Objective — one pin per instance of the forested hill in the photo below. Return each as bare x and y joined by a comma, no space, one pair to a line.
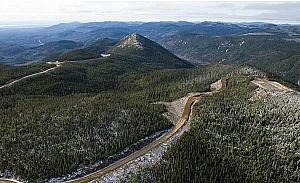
69,120
135,45
83,112
63,121
247,133
92,50
102,73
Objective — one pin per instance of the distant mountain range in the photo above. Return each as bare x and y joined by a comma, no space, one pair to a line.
264,45
16,54
267,52
89,32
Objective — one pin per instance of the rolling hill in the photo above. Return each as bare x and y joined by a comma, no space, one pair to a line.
93,50
133,54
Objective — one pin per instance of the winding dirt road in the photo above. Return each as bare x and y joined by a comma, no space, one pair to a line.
218,86
31,75
182,121
184,118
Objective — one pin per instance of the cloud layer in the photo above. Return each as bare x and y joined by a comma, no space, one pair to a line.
34,11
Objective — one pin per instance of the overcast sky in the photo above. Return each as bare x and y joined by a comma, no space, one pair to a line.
55,11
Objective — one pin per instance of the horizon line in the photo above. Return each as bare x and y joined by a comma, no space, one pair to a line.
48,24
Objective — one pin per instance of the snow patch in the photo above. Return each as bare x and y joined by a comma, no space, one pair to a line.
241,44
105,55
41,43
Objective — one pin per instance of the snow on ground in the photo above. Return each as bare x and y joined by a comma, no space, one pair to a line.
283,103
105,55
241,44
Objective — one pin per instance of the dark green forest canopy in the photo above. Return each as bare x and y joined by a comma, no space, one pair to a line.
58,122
271,53
55,123
10,73
235,138
102,74
93,50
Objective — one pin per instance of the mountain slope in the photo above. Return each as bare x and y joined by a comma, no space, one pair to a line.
244,134
147,52
102,74
93,50
271,53
10,73
86,113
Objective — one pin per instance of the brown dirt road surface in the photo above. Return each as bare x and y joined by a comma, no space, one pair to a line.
181,122
218,86
184,118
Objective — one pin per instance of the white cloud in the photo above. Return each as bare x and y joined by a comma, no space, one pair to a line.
31,11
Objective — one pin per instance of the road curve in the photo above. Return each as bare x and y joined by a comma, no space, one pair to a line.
29,76
181,122
184,118
221,84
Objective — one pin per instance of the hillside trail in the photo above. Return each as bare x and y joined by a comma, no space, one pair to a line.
57,65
